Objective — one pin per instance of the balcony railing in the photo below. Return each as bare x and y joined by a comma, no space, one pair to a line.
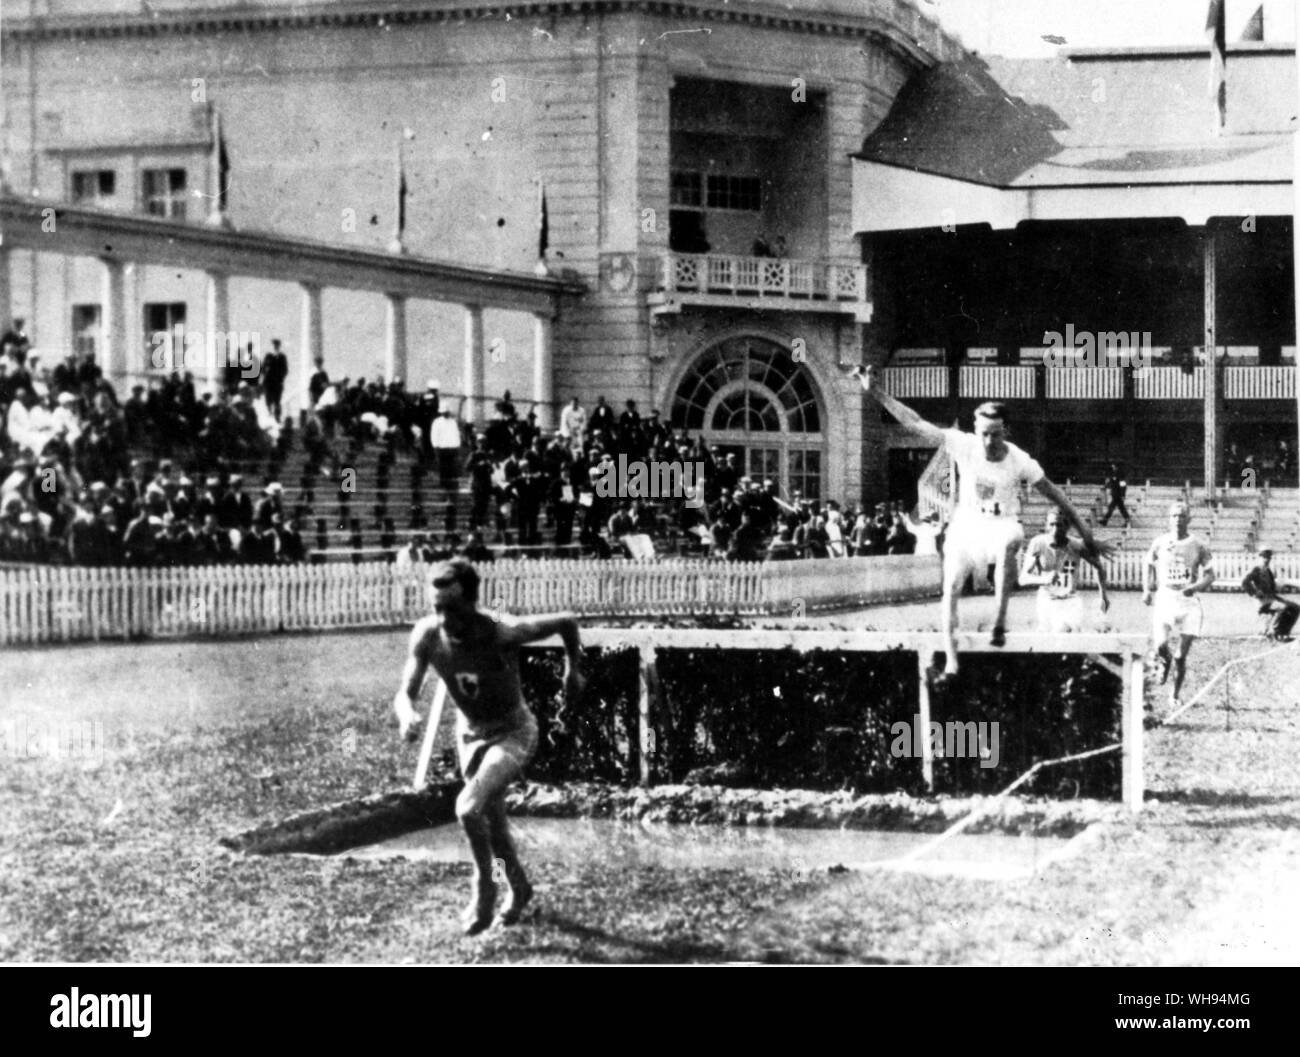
803,285
915,383
1088,383
997,383
930,381
1169,383
1259,383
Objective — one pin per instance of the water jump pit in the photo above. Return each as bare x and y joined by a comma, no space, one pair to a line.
767,704
706,827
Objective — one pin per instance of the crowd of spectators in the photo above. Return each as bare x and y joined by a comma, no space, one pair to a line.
87,479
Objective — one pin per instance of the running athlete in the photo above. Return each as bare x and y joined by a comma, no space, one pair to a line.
985,529
1181,566
1051,560
477,657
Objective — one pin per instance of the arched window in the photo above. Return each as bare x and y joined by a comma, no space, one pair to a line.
747,396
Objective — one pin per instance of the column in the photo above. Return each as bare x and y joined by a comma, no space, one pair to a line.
310,341
215,346
543,371
1211,368
473,375
112,360
6,305
395,338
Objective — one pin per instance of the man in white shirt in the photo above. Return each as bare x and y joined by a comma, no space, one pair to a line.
444,437
1052,560
573,423
985,529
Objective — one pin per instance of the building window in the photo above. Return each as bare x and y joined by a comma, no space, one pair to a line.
687,189
162,318
747,396
85,329
93,187
164,193
743,193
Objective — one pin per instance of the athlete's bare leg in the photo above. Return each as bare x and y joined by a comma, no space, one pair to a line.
503,848
1002,588
1180,664
473,808
954,575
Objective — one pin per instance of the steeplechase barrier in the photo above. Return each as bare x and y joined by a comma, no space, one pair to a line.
47,604
1123,653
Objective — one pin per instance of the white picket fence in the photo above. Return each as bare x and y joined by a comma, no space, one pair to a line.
1125,569
53,604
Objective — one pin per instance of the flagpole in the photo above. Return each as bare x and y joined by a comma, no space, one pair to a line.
543,229
398,245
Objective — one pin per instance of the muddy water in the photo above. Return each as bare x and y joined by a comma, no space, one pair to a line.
679,847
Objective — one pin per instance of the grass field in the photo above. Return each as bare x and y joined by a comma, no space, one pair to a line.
116,859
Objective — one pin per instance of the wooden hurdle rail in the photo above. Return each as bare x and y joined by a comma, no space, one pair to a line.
40,604
1129,649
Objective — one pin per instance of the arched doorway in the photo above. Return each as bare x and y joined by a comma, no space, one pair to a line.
747,395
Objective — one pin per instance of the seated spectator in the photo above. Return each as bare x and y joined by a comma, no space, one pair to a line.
476,550
782,548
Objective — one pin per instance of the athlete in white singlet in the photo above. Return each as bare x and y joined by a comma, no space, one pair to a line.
1178,569
985,529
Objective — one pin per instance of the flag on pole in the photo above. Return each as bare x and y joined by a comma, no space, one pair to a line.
220,169
398,245
401,194
1216,33
543,223
1255,27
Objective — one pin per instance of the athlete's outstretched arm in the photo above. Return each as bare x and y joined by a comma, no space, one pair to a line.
534,629
413,673
907,418
1031,571
1052,492
1102,586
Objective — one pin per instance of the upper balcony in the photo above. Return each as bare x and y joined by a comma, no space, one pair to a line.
766,283
1026,382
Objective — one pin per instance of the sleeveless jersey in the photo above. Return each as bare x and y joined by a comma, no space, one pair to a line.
482,677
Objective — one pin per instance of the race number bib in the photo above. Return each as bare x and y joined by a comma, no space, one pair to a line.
1062,585
1176,571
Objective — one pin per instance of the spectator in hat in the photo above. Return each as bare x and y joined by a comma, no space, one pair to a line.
271,503
1261,585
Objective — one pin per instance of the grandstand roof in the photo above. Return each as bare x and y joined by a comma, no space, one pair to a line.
1104,120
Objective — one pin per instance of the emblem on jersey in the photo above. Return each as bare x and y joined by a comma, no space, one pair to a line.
468,684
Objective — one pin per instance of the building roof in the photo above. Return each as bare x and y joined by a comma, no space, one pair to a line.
1095,118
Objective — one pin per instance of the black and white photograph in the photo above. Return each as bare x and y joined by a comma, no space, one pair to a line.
650,483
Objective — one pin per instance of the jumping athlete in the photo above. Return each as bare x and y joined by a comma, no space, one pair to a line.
1181,566
985,529
477,657
1051,560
